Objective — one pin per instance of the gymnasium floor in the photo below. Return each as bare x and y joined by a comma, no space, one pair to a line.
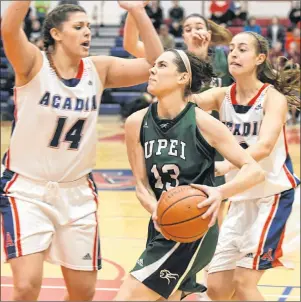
123,223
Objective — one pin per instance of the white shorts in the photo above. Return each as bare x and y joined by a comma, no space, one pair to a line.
259,234
60,218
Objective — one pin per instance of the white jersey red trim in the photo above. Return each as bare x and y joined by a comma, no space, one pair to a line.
54,131
244,122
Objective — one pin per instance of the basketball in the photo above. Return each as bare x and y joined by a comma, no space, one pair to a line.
178,215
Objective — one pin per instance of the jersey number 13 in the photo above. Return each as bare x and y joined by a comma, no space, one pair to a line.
172,170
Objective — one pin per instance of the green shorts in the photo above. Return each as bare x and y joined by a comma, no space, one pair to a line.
166,266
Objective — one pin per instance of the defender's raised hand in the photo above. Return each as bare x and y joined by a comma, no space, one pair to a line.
129,5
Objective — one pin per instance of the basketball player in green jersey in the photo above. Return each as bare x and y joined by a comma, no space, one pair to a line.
204,38
169,144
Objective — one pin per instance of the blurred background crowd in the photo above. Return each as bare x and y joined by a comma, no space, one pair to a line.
283,34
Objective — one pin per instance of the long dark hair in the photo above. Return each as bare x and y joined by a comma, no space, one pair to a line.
201,70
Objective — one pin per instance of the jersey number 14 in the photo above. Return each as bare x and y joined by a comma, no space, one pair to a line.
73,135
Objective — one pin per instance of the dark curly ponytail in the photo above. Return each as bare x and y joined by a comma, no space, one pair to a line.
202,72
55,19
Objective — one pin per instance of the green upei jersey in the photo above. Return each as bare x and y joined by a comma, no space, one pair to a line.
175,154
175,151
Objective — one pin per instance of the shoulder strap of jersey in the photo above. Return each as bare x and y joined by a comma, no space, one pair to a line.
262,96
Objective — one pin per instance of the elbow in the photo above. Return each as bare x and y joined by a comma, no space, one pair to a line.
139,193
126,46
266,149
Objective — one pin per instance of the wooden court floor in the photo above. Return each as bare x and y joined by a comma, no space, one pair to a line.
123,223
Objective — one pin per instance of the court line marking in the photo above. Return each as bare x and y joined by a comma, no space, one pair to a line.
262,285
116,289
63,287
286,292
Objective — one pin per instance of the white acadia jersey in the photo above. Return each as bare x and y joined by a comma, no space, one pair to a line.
54,132
244,122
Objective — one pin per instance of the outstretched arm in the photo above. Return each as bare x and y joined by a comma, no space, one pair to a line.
22,54
249,175
210,99
219,137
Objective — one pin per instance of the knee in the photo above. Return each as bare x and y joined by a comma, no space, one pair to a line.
217,291
27,290
242,284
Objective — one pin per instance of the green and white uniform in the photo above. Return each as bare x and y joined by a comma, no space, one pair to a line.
175,154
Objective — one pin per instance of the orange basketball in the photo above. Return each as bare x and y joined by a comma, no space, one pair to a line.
178,215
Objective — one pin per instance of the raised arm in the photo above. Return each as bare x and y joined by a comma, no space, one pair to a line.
210,99
149,36
136,158
275,108
117,72
25,58
131,41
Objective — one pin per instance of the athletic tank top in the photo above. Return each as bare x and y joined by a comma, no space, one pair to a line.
244,122
175,151
54,130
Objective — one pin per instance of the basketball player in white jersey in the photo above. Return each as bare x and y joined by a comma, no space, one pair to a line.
259,231
48,198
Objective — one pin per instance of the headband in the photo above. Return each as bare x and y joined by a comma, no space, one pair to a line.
186,62
258,42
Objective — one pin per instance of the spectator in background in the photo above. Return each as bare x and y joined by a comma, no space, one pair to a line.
36,30
176,13
252,26
140,103
176,29
167,40
238,11
276,52
155,13
295,13
276,32
123,18
176,16
293,36
220,11
75,2
42,8
293,53
39,42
